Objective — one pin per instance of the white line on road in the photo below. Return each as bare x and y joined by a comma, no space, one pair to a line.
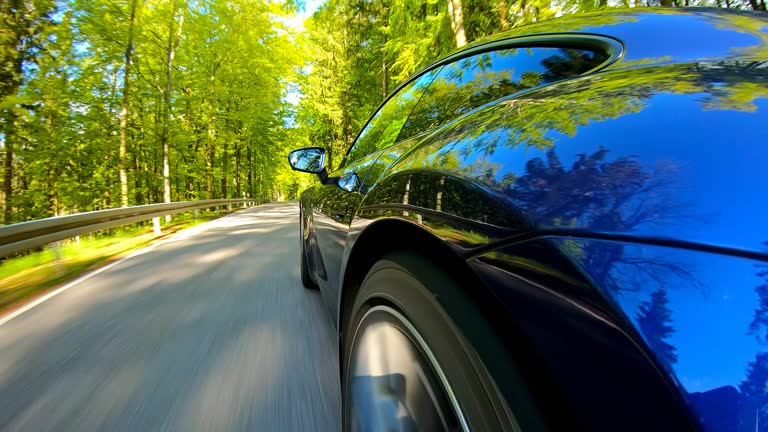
177,236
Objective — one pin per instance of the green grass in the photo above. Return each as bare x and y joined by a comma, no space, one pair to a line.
25,277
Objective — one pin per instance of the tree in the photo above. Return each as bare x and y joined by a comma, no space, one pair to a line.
324,115
126,102
654,320
174,37
23,25
124,106
759,325
754,388
45,157
456,13
754,394
109,103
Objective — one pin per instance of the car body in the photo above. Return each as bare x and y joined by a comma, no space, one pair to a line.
603,182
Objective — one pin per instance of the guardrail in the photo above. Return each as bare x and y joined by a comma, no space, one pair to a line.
27,235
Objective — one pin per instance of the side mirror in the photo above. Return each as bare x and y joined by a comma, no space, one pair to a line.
309,160
349,183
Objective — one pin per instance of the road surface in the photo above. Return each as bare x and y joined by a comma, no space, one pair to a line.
211,331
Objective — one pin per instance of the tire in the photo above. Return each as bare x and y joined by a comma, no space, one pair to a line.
306,279
396,322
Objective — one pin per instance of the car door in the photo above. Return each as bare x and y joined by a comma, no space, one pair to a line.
333,202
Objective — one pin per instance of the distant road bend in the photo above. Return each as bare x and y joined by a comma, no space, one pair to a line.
211,331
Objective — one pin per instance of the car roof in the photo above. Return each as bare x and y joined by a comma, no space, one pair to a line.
637,37
647,35
686,28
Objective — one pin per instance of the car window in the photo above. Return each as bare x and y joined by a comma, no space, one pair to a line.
382,130
474,81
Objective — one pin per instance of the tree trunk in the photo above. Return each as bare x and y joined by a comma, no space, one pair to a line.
124,107
225,169
177,185
250,172
405,195
261,181
10,135
137,158
439,205
503,9
52,175
384,86
384,71
236,175
209,161
170,52
457,22
136,177
329,154
55,202
11,87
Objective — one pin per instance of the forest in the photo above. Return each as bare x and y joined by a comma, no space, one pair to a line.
109,103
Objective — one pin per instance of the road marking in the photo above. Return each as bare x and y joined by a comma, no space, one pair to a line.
177,236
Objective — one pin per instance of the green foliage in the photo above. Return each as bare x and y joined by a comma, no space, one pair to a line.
207,78
359,50
97,97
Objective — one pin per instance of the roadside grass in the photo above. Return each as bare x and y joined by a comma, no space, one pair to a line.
25,277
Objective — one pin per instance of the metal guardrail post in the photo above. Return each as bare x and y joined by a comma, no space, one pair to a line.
56,248
156,225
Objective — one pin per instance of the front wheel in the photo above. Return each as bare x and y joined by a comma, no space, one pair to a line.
406,366
306,279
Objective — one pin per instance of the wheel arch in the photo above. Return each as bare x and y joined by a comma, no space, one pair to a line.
376,240
391,234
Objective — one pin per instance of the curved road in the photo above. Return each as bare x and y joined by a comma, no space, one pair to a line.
210,331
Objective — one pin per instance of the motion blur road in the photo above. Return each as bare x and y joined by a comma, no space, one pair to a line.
211,331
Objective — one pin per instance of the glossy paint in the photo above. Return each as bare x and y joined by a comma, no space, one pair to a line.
329,209
712,342
673,151
619,218
603,379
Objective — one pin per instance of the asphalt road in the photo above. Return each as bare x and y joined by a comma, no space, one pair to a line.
211,331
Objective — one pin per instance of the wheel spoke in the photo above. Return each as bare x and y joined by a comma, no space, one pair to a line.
394,381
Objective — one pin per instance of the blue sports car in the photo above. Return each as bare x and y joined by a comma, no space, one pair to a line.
564,227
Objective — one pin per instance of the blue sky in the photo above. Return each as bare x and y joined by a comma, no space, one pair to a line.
310,6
